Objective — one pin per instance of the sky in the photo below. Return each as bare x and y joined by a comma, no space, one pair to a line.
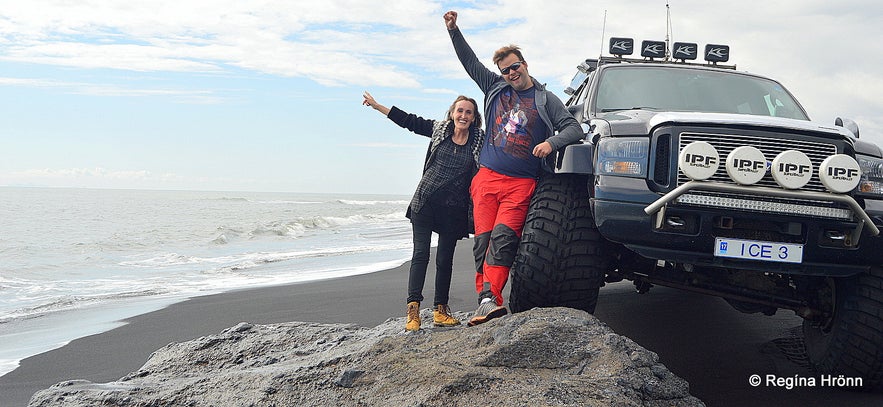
241,95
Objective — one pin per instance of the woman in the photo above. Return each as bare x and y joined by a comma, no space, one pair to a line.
441,202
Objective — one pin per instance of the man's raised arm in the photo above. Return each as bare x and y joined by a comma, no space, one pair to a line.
476,70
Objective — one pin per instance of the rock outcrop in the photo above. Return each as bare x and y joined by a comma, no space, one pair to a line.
542,357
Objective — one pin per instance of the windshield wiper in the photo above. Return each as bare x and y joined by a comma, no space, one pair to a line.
629,108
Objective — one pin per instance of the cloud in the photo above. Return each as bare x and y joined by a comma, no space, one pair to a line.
111,56
826,53
349,42
203,96
332,43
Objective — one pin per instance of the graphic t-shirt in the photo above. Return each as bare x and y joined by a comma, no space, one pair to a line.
514,130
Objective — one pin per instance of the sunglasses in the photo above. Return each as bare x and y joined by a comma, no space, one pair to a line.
514,66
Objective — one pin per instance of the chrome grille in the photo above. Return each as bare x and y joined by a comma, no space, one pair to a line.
771,147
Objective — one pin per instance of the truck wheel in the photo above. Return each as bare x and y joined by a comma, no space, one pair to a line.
850,342
561,258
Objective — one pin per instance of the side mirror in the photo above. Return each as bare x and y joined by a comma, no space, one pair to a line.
848,124
586,130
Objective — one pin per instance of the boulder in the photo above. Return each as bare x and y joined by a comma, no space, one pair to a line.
541,357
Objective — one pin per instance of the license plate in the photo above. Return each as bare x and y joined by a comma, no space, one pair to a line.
758,250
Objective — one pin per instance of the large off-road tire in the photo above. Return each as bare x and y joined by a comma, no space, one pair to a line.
850,343
561,259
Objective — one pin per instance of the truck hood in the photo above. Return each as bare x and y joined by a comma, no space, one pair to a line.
631,122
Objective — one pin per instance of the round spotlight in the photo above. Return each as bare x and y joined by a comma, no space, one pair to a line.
792,169
840,173
698,160
746,165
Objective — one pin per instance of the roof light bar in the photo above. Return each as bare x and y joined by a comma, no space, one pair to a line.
659,51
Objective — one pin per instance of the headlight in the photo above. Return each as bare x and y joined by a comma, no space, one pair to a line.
623,156
871,182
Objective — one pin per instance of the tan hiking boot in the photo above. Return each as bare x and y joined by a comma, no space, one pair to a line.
442,316
413,323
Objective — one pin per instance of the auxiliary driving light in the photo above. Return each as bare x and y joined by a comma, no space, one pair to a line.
715,53
698,160
653,49
746,165
840,173
792,169
621,46
684,50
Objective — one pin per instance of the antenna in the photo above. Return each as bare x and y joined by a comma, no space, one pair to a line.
667,32
603,29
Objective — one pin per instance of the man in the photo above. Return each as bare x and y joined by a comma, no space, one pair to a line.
522,121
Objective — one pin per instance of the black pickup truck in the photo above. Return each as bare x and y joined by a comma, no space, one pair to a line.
703,178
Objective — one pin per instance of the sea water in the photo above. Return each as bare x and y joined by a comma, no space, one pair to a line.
75,262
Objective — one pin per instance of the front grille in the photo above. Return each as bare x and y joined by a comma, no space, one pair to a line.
662,160
770,146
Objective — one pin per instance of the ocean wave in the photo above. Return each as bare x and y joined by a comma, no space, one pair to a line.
258,259
286,202
359,219
367,202
175,259
269,201
302,226
286,229
70,302
250,260
11,283
116,249
221,239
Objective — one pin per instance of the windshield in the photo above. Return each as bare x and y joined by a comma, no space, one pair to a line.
693,90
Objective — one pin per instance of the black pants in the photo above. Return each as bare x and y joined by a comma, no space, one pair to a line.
444,263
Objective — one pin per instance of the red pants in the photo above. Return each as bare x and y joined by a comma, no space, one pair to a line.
500,205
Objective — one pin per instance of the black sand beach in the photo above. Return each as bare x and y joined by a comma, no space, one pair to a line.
699,338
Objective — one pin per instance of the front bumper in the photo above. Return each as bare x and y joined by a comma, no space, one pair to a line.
832,247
